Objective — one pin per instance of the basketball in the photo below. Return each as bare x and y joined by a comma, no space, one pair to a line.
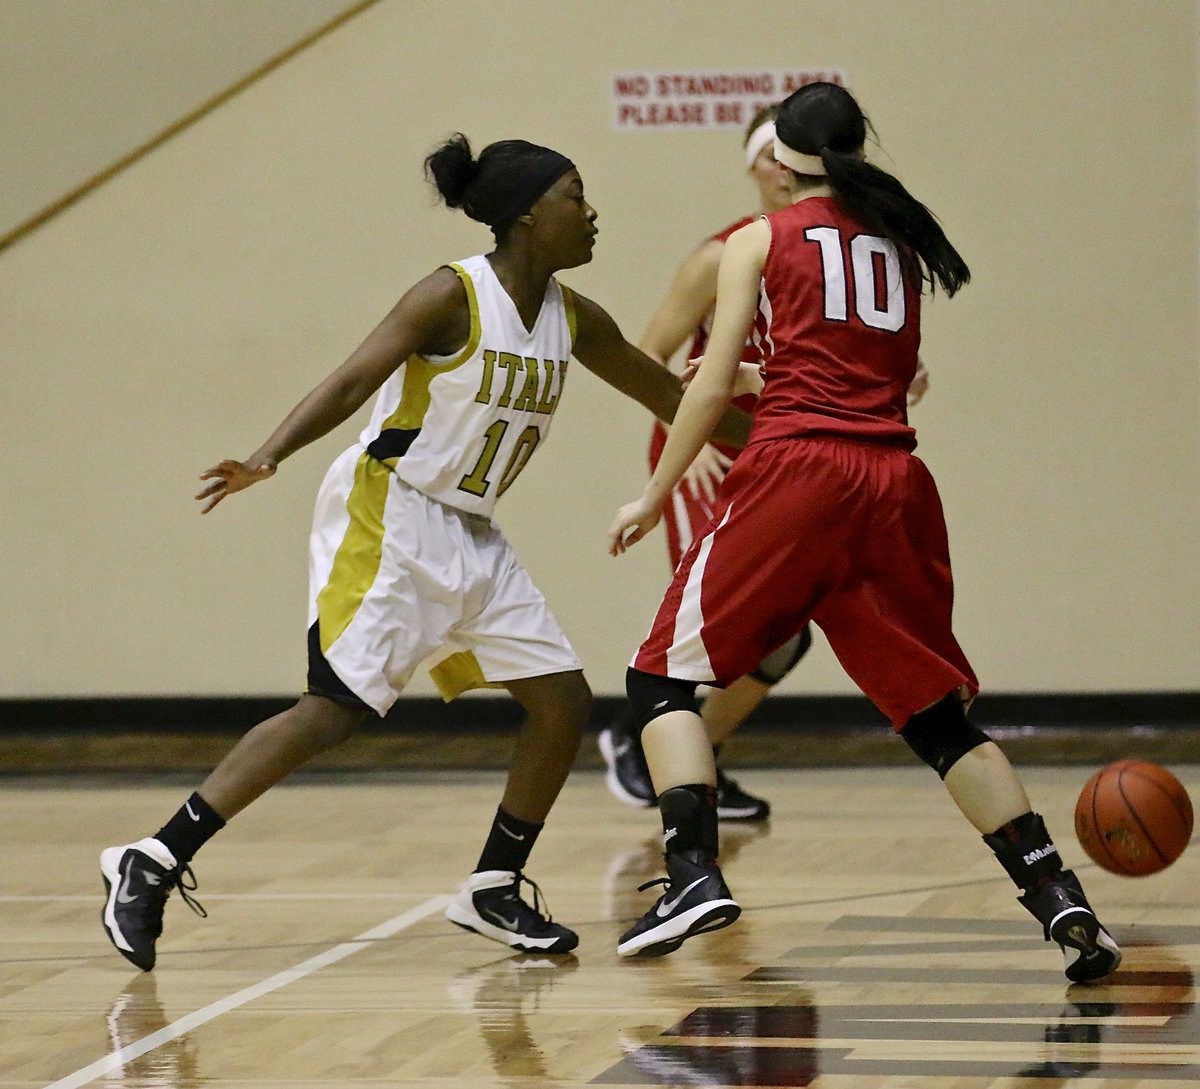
1133,818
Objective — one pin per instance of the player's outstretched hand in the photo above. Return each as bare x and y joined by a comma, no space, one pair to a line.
703,477
231,476
919,386
632,523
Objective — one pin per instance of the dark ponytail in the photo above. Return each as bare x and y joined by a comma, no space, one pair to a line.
824,119
452,168
498,187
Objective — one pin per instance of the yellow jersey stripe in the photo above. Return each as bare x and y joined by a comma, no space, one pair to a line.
419,371
476,325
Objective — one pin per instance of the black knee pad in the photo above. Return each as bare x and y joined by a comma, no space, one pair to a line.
942,735
782,660
651,695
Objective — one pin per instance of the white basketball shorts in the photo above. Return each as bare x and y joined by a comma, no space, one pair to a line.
397,579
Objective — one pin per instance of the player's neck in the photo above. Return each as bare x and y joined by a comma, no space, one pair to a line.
524,277
803,192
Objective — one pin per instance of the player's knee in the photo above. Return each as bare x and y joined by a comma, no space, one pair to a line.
576,698
651,695
942,735
782,660
328,721
561,701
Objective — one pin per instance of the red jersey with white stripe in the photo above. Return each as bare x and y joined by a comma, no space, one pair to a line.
838,330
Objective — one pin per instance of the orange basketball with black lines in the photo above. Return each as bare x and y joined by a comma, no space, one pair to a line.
1133,818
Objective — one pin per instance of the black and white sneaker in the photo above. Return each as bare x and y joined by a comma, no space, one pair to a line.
696,901
138,878
489,903
735,804
628,777
1068,919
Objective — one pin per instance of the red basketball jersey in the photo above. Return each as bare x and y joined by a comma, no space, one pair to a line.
838,330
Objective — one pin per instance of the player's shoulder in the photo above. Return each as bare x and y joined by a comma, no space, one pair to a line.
444,287
753,236
723,234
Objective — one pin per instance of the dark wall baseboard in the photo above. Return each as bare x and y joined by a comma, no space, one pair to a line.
417,714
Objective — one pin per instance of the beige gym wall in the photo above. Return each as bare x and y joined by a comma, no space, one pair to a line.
82,84
175,315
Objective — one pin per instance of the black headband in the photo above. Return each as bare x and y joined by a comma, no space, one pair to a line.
535,175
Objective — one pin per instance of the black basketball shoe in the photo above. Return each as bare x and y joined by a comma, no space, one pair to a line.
138,878
628,777
736,804
696,901
489,903
1068,919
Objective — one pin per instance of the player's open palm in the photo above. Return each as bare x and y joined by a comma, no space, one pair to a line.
229,476
632,523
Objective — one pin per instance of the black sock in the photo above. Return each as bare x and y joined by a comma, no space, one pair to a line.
190,829
1026,851
508,843
689,816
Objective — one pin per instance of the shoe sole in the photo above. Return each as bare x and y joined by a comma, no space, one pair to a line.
468,920
746,813
110,872
672,933
613,780
1098,955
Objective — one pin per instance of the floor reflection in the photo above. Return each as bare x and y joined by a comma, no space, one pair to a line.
135,1014
500,996
1142,1023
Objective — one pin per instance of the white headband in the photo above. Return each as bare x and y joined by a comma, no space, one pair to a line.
758,140
794,160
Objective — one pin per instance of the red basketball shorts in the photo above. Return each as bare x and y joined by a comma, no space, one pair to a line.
848,534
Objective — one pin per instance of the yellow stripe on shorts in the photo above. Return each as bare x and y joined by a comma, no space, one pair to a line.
459,673
357,560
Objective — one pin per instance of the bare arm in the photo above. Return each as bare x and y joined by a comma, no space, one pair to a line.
431,317
710,392
688,301
600,346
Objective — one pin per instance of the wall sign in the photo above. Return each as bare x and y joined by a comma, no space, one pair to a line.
707,99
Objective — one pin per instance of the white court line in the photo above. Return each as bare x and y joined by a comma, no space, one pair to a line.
117,1059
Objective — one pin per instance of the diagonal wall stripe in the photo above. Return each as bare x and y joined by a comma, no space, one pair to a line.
185,122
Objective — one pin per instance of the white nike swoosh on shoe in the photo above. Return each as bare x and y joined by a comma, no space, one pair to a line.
121,897
508,924
666,906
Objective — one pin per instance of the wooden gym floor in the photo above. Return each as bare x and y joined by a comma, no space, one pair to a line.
880,947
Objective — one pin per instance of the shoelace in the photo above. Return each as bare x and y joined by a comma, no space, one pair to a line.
174,880
540,908
657,881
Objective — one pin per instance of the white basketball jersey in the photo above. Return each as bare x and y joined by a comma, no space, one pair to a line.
461,428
